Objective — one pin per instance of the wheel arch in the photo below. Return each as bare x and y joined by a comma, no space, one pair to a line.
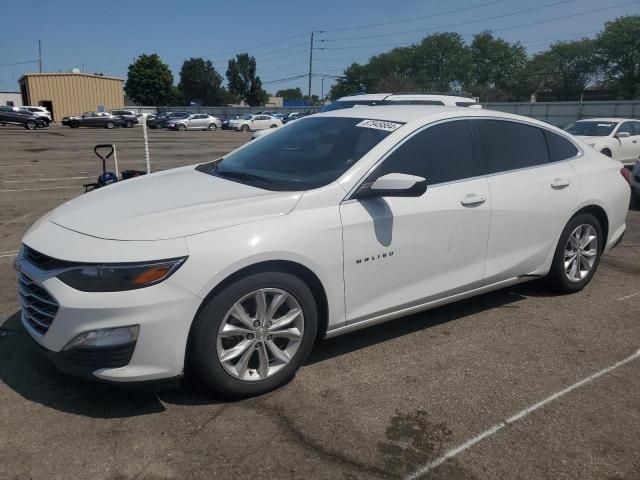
600,213
285,266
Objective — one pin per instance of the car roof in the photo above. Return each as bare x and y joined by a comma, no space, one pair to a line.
606,119
404,96
425,113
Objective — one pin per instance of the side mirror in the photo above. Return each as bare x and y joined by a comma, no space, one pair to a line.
393,185
623,134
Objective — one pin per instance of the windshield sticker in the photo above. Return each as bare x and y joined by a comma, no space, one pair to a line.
605,124
379,125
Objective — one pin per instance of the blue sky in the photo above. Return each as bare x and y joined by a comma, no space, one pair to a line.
106,36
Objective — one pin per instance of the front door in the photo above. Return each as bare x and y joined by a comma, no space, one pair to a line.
629,146
401,252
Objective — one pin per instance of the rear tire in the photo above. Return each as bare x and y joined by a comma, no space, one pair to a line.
109,125
213,127
244,128
128,124
577,257
241,375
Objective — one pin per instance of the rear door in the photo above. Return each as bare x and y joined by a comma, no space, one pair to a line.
532,193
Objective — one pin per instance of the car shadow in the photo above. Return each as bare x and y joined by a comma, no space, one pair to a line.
351,342
32,376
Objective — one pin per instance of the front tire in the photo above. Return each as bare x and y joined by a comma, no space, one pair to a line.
577,254
213,127
244,128
128,124
31,125
273,126
252,336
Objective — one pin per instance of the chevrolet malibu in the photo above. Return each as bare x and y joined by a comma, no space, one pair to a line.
330,224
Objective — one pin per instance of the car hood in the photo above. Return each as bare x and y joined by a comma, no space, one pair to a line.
169,204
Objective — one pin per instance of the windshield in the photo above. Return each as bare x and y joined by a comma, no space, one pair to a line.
591,129
307,154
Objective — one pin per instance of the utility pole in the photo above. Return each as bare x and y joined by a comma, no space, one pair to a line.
310,64
40,56
322,90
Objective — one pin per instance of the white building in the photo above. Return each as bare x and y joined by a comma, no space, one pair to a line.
10,99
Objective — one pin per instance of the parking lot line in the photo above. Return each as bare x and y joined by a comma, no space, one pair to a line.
521,414
629,296
9,255
36,189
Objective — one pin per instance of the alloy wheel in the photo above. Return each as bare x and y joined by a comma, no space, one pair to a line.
260,334
581,252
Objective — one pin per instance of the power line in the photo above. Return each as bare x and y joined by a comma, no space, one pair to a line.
18,63
440,14
496,29
457,24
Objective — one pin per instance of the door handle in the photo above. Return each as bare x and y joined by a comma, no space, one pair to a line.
473,200
560,183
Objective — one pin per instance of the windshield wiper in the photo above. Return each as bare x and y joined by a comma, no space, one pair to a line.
241,175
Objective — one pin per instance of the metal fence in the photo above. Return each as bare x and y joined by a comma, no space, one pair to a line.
563,113
226,113
556,113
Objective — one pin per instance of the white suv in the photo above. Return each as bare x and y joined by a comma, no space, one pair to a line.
401,99
39,112
339,221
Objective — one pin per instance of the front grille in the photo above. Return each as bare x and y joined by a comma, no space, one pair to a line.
42,261
39,308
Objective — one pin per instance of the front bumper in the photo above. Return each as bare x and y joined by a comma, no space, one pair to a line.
163,312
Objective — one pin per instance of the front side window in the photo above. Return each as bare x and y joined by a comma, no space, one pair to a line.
308,154
441,153
507,145
591,128
627,127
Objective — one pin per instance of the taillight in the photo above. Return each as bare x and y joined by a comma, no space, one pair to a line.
626,173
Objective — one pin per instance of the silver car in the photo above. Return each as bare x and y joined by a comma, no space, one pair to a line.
197,121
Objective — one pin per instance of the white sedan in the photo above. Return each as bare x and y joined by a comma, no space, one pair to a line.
618,138
339,221
249,123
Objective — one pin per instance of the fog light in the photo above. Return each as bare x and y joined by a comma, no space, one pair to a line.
105,337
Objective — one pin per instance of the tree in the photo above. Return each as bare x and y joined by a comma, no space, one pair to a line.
243,81
495,67
200,82
353,80
290,93
149,81
565,69
442,62
619,53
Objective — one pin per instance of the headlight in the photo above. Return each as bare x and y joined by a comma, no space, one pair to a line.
120,277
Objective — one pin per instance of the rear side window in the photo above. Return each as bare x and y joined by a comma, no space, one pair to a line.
559,147
509,145
442,153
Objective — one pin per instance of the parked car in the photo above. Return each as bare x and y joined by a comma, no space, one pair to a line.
129,117
39,112
293,116
635,183
93,119
197,121
249,123
401,99
618,138
340,221
170,117
13,116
